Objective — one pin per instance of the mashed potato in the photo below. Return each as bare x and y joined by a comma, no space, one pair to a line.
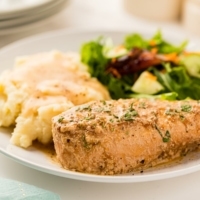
39,87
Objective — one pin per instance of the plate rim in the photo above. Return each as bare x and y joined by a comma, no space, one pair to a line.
16,11
77,175
72,30
101,178
43,13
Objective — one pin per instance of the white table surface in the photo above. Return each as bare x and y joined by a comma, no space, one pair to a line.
100,14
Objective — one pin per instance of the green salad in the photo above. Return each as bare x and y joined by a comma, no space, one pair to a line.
140,67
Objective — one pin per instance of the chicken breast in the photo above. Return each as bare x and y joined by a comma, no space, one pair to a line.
115,137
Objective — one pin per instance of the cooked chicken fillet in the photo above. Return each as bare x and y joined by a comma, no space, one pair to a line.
115,137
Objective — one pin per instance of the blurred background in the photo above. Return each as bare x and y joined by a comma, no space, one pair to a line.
22,18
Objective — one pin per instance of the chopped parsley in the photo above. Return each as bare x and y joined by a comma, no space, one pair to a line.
182,117
103,102
89,117
169,112
115,116
166,137
186,108
142,105
129,116
111,120
85,144
60,119
87,108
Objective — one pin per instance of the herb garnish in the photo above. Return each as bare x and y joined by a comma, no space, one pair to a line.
186,108
115,116
166,137
60,119
142,105
169,112
103,102
182,117
128,116
87,108
111,120
85,144
89,117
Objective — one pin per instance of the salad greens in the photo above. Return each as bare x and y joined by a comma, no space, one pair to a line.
123,68
92,55
136,40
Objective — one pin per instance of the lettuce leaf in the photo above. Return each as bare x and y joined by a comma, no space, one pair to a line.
92,55
135,40
171,96
157,41
177,80
165,47
191,62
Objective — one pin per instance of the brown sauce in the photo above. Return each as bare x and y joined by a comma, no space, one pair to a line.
50,153
48,150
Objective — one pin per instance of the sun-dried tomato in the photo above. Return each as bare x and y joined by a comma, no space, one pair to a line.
136,61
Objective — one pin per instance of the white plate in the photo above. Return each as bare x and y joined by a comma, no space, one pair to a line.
31,17
33,21
11,8
34,158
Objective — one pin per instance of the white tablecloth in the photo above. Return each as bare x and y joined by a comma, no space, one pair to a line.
100,14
